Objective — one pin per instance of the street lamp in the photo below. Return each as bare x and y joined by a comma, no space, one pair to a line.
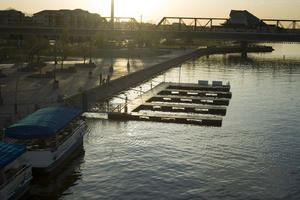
53,43
1,98
112,14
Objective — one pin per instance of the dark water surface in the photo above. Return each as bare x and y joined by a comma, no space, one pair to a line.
254,155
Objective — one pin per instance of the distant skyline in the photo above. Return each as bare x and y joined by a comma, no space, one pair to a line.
154,10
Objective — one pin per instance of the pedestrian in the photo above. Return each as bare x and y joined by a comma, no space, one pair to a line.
128,66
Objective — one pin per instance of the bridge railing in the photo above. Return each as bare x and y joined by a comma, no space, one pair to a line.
126,23
219,24
190,23
283,23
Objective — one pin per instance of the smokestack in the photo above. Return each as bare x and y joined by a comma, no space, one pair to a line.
112,14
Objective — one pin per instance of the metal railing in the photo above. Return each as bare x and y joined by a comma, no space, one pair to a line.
9,180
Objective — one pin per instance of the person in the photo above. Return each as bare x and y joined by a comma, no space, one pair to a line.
111,69
128,66
110,73
101,80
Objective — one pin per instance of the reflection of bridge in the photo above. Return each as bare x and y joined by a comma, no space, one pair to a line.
269,30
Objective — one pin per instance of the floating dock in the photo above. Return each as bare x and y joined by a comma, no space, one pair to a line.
200,104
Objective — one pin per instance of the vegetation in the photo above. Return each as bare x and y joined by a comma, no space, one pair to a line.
35,50
63,47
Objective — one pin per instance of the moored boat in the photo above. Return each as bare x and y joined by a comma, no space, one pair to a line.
50,134
15,171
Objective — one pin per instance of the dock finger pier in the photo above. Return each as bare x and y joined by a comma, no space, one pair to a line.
200,104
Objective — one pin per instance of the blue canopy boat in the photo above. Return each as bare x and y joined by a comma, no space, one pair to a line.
50,134
15,171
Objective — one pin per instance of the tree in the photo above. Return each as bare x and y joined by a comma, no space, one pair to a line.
35,46
100,38
63,48
84,51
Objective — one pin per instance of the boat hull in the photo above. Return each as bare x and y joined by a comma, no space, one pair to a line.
46,161
17,186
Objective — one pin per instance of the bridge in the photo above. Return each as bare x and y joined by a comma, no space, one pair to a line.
268,30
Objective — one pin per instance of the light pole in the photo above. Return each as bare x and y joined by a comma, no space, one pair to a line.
1,99
54,43
16,91
112,14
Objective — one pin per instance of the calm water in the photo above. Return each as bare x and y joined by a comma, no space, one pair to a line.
254,155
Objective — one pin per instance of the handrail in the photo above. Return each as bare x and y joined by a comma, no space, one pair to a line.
12,178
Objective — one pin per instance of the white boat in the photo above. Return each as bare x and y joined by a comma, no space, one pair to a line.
50,134
15,171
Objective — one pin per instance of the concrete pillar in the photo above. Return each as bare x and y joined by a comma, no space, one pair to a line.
126,106
55,84
112,14
100,79
16,108
244,46
1,98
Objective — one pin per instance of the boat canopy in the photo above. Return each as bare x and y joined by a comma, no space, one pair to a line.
10,152
42,123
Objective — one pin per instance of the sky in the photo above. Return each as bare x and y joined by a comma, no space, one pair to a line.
154,10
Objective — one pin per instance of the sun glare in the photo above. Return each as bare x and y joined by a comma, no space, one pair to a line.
134,8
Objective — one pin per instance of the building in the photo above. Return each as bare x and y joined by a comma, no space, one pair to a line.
11,17
68,18
243,19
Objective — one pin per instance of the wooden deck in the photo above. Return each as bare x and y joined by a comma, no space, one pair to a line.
181,92
185,108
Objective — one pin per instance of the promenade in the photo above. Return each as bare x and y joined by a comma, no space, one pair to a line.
33,93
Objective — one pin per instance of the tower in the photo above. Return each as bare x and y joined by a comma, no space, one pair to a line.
112,14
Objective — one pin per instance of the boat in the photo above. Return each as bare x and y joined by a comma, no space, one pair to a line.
15,171
50,134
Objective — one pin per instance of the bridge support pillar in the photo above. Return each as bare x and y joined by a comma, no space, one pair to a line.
244,46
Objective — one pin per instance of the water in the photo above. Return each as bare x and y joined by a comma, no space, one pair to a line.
254,155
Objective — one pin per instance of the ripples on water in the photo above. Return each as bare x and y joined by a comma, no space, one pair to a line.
254,155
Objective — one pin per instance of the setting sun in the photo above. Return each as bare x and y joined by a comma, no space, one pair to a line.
134,8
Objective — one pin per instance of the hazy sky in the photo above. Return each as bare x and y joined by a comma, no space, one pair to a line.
154,10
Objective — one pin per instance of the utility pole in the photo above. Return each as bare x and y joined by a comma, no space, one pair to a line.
112,15
1,99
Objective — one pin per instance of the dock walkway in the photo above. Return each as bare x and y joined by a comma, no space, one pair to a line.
176,108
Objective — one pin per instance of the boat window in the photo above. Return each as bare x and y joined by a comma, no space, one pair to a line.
9,173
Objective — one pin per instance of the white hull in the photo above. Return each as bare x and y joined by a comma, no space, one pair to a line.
46,160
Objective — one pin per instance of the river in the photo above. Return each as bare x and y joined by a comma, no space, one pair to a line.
254,155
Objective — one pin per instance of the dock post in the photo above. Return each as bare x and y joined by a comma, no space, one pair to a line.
100,77
126,104
107,105
16,108
1,99
244,46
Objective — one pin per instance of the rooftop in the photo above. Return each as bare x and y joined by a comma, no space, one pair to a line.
9,152
42,123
